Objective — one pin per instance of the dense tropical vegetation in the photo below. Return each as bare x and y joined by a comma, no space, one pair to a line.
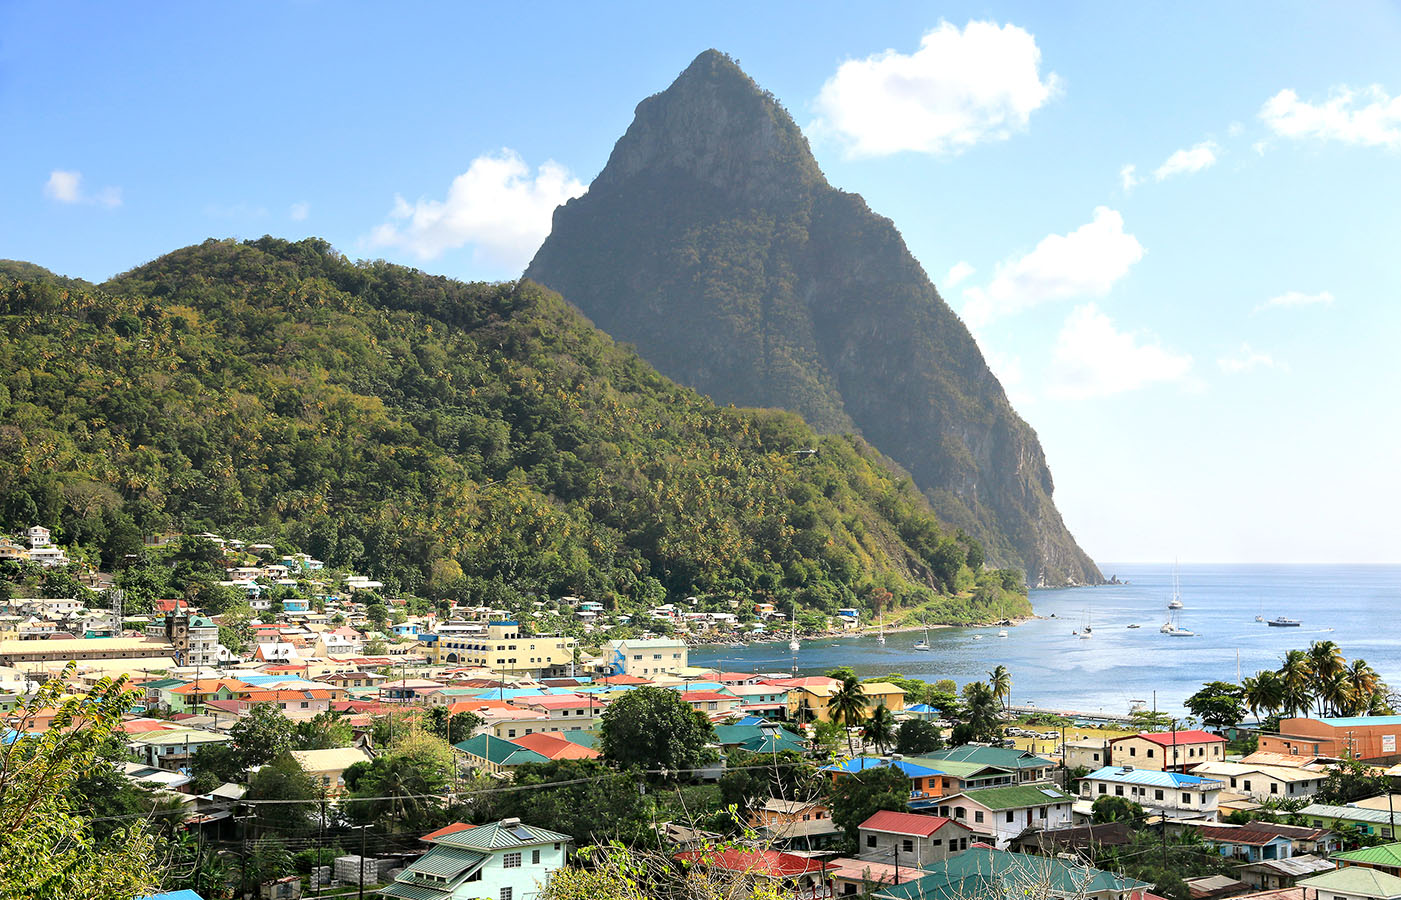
448,439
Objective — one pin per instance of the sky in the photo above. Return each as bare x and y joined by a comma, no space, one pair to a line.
1173,230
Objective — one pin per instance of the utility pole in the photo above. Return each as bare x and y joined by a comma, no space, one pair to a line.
897,860
243,852
363,830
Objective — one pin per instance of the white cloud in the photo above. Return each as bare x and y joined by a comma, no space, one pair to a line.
1128,177
1193,159
1247,359
496,206
298,212
961,86
1094,359
1235,129
1084,263
1296,298
1368,117
960,271
65,186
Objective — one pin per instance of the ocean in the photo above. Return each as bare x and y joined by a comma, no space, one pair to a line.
1051,668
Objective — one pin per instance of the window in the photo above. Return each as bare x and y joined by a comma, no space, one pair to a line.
1041,813
937,842
511,861
1096,757
907,845
505,893
870,840
1150,752
1157,795
1233,781
977,815
1133,751
1247,784
1102,789
1118,790
535,857
1186,797
1009,815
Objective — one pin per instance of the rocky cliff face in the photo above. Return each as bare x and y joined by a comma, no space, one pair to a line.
713,243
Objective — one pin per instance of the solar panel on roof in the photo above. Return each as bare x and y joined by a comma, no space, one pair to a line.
522,833
1050,793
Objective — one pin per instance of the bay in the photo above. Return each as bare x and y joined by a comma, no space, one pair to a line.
1355,606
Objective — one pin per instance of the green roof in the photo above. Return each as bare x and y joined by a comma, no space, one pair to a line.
582,738
728,735
979,872
414,892
1380,855
499,752
1362,880
964,770
1017,796
446,862
499,836
163,684
772,744
1002,757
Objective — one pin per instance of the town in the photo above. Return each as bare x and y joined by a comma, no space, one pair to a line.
311,737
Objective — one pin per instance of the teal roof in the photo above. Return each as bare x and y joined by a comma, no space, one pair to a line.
405,891
582,738
772,743
445,862
202,622
727,735
163,684
1359,721
498,836
1002,757
498,751
992,873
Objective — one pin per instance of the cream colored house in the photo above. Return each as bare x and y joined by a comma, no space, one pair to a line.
1167,751
646,658
327,767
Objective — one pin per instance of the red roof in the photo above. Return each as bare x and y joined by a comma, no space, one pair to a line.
1166,738
623,679
904,823
726,677
694,696
275,696
141,726
445,831
769,863
555,747
557,701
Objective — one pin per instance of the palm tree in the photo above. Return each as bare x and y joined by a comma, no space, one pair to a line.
1363,682
880,728
1000,681
1296,674
1264,691
847,705
982,710
1326,661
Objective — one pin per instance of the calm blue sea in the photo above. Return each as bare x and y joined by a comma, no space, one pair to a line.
1356,606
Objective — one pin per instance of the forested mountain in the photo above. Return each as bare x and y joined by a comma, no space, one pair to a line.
712,242
473,440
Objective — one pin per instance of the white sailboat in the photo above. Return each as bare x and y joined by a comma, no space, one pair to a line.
1002,633
880,638
1088,631
793,644
1176,601
923,644
1172,629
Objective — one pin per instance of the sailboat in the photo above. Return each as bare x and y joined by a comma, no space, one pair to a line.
1172,629
793,632
880,638
1176,601
923,644
1002,633
1088,631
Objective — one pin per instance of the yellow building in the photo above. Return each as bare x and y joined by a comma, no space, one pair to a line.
505,649
810,698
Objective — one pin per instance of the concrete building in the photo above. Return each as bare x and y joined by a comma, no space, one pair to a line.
26,654
1352,883
1261,783
1364,737
1167,751
195,639
505,860
645,658
1087,753
1000,814
1168,794
910,839
505,649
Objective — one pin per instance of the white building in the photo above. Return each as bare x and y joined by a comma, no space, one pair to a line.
1167,794
1264,782
38,537
646,657
1002,813
505,860
48,556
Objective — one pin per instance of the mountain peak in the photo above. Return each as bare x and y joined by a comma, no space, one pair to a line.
717,125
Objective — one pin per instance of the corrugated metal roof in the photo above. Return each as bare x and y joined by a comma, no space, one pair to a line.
497,837
1153,778
446,862
413,892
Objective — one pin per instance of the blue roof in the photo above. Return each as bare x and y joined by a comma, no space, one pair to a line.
1151,778
751,720
862,763
174,895
920,708
1356,721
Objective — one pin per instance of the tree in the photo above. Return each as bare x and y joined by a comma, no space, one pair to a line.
916,737
1115,809
1000,683
592,803
1218,704
879,728
1350,780
1328,668
396,790
1296,677
1363,686
47,846
860,795
451,727
983,713
654,729
1263,692
262,735
847,705
283,779
323,731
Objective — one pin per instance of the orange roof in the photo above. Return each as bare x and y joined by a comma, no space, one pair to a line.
445,831
768,863
274,696
622,679
209,686
555,747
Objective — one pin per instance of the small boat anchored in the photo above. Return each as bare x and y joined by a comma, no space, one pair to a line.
923,644
1282,622
1002,633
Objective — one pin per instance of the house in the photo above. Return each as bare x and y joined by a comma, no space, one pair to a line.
1363,737
171,749
48,557
1002,813
1278,874
1377,823
1384,857
766,700
1214,887
12,552
1318,841
809,698
353,679
1175,751
984,872
852,877
1246,843
1077,839
1027,766
327,767
38,537
712,703
552,746
1168,794
765,737
504,860
1087,753
504,648
911,839
1263,782
1352,883
569,709
644,657
926,783
789,876
496,755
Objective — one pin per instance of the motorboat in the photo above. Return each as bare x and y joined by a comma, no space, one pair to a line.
1134,625
1282,622
1002,633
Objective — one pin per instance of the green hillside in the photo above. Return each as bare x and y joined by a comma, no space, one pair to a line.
469,440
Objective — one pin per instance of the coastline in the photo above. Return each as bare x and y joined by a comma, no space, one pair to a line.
857,632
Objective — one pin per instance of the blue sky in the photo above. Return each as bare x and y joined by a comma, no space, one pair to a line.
1206,347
